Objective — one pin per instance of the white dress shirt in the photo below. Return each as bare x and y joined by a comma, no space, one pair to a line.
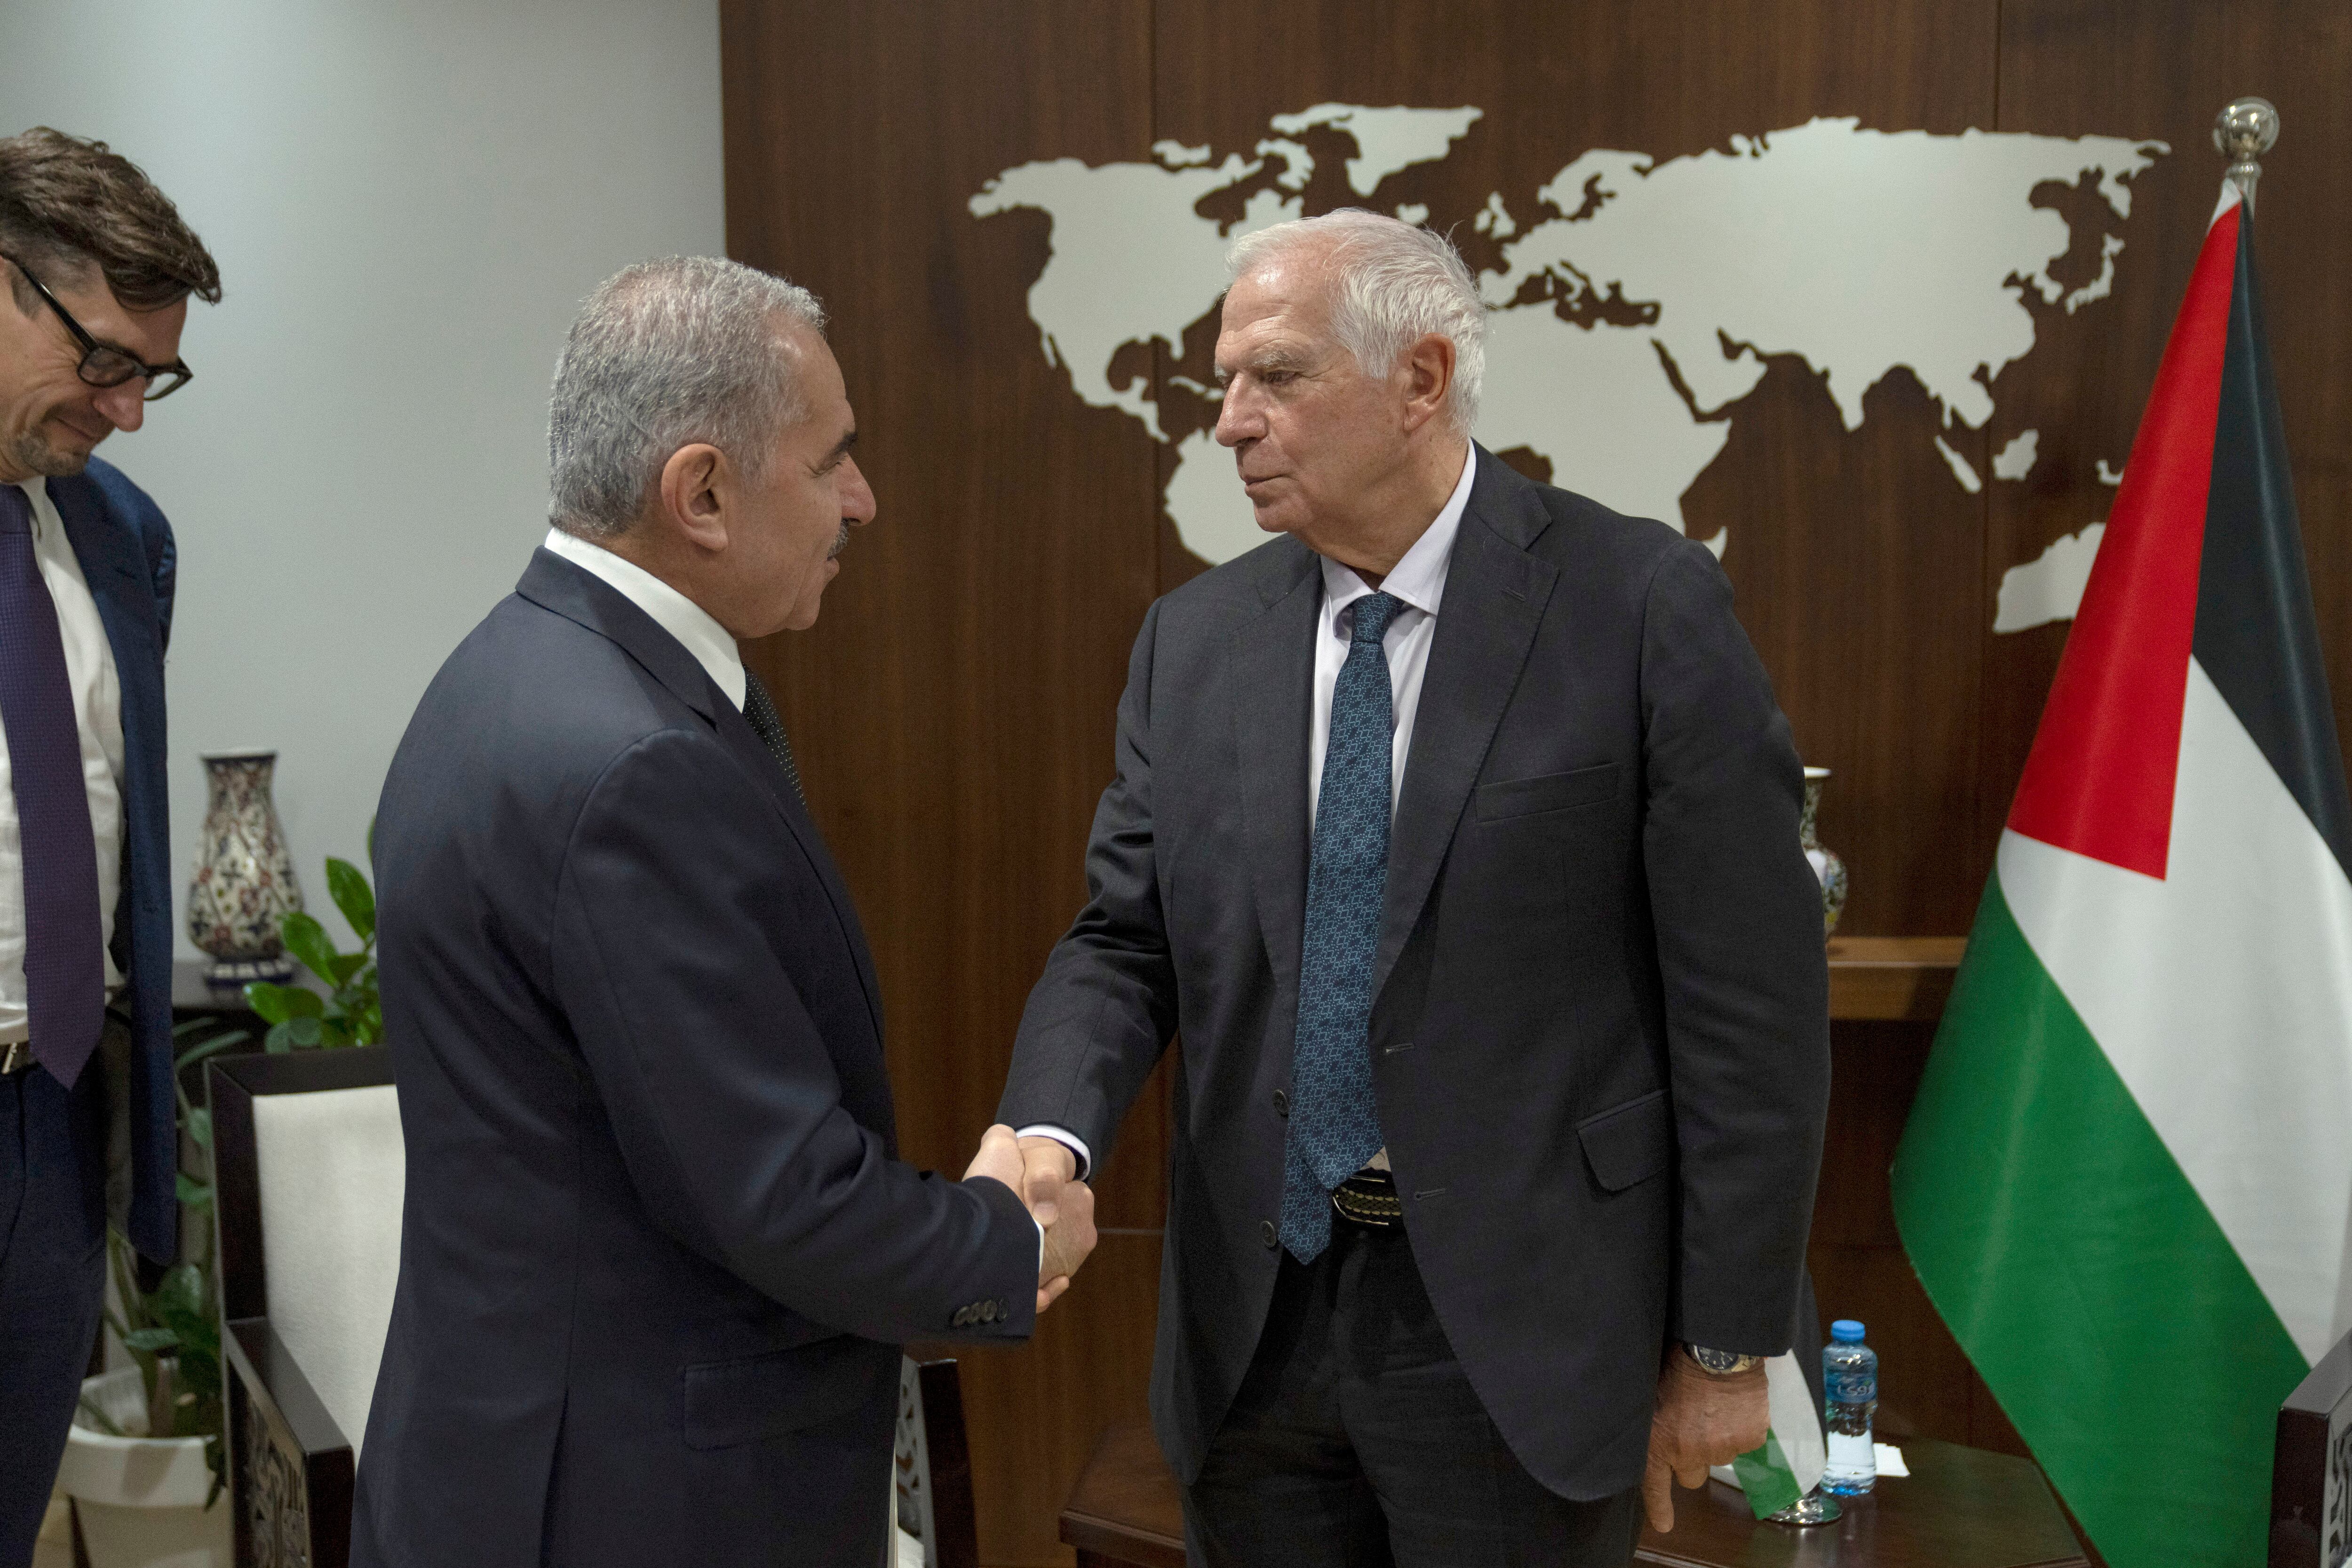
1419,580
695,627
713,646
98,715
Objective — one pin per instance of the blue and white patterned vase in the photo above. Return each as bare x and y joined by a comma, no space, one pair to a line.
1825,863
245,879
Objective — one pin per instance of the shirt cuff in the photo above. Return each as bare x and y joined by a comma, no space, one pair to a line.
1064,1137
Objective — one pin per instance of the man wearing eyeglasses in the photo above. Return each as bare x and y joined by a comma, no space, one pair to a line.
98,268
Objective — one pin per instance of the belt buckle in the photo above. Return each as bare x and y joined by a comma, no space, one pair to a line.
1369,1198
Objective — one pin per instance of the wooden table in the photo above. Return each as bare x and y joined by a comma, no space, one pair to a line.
194,997
1959,1507
1893,977
1125,1508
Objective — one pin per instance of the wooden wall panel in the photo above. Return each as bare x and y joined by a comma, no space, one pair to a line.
1926,1385
953,709
1857,564
2162,72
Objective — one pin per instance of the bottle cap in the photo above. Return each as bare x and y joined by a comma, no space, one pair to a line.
1847,1332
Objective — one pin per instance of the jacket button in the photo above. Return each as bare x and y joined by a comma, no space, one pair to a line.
1267,1233
1282,1103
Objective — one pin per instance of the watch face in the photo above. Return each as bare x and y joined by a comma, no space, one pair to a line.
1721,1361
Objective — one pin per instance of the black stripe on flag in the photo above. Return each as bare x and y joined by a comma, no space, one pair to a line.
2257,636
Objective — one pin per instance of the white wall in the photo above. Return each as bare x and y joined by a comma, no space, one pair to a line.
407,198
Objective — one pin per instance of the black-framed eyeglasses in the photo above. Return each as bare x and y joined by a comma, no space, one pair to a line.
103,365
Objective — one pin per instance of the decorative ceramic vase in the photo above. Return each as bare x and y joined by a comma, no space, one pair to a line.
1826,865
245,879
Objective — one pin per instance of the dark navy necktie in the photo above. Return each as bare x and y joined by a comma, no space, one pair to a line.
65,968
1334,1124
760,709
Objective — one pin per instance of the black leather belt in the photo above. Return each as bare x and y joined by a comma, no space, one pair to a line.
15,1058
1369,1198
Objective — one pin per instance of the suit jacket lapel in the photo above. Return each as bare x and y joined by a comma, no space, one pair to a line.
1495,598
736,733
1273,675
554,584
115,570
126,599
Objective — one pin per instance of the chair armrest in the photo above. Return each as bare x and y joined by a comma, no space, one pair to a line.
290,1466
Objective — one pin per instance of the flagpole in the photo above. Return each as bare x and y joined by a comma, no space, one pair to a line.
2243,133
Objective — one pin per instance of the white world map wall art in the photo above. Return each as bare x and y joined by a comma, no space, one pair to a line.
1858,250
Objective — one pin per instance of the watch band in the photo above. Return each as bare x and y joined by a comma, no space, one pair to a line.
1720,1363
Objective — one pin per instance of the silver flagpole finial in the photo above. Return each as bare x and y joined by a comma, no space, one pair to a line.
2243,133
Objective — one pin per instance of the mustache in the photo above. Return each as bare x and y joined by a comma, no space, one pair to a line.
840,540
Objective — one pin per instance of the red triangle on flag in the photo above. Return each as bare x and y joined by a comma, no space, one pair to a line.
2099,781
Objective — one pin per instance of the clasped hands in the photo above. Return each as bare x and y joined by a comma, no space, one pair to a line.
1044,1172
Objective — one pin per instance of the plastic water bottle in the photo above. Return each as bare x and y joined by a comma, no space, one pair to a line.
1850,1369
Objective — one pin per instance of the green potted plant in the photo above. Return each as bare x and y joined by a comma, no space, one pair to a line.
351,1012
145,1463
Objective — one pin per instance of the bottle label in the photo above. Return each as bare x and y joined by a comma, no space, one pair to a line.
1850,1454
1850,1387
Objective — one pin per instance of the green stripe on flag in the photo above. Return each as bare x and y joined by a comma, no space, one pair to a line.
1765,1476
2083,1274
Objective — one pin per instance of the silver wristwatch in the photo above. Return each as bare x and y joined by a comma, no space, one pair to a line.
1720,1363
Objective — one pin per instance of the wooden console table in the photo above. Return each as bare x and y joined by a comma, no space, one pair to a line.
1959,1507
1893,977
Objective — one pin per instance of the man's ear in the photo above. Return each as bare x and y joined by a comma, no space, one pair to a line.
694,492
1428,372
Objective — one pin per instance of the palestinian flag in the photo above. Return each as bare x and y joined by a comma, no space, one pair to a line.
2128,1178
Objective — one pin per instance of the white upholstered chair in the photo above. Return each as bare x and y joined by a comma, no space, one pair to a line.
310,1171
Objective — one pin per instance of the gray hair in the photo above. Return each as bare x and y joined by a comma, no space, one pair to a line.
664,354
1393,284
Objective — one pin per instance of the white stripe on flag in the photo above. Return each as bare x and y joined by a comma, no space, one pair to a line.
1795,1422
2223,995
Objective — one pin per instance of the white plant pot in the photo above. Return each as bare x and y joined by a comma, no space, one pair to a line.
141,1499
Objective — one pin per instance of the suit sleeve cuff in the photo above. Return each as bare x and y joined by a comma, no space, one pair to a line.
1064,1137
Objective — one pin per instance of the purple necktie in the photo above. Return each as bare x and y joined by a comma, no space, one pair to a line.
65,969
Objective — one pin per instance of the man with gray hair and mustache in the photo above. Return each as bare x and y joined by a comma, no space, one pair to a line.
1455,832
657,1253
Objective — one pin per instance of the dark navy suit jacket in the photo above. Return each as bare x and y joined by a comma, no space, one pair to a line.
657,1254
126,554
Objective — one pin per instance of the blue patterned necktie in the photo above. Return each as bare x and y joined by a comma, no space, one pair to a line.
1334,1124
65,968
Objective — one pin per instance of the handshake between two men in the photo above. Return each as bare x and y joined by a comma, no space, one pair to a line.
1043,1173
1455,830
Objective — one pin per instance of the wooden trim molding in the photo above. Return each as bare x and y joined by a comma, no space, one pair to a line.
1893,977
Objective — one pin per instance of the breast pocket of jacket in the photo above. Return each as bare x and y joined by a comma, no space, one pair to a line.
1508,800
729,1403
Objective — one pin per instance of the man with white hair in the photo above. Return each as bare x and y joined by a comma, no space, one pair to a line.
657,1253
1454,831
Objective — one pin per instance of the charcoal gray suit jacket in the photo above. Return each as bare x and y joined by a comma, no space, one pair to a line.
657,1253
1599,1032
